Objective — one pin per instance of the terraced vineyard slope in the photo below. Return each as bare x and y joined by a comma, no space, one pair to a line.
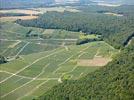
31,75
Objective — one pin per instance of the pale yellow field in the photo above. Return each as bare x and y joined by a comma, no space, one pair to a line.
109,5
113,14
58,9
97,61
20,11
34,11
48,31
20,17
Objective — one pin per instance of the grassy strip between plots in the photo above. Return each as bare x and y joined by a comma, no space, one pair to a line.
31,75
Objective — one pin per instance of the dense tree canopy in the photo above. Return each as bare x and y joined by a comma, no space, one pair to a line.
2,59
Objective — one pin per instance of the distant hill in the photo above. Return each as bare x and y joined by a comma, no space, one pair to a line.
129,2
5,4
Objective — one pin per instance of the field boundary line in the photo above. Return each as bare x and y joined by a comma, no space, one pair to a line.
28,77
34,89
25,83
4,50
81,75
18,80
62,64
30,65
57,70
70,58
15,75
81,53
22,49
97,53
13,44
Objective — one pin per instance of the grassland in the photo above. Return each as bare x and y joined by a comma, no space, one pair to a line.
31,75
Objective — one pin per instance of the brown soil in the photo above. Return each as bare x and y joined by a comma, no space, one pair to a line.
97,61
20,17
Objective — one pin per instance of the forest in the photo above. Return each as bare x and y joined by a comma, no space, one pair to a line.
114,29
13,14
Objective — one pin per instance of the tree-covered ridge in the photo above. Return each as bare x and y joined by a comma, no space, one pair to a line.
114,29
112,82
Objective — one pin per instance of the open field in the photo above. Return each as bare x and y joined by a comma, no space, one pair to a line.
34,12
108,4
14,39
31,75
11,30
20,11
58,9
113,14
96,61
42,58
19,17
39,39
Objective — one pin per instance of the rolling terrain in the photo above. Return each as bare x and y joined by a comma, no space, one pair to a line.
39,59
67,52
32,73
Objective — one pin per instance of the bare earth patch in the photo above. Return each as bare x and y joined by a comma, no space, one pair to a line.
20,11
96,61
19,17
113,14
48,31
109,5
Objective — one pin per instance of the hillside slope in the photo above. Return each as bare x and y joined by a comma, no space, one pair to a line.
7,4
112,82
114,29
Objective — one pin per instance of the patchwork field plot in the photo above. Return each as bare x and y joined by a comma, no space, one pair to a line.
18,40
33,13
30,75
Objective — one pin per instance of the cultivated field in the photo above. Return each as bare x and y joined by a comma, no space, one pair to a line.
113,14
34,12
108,4
31,75
40,58
14,40
58,9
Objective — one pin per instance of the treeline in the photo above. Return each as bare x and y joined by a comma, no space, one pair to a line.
129,39
13,14
113,29
87,39
3,59
112,82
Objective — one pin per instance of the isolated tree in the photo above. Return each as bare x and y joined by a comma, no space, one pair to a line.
2,59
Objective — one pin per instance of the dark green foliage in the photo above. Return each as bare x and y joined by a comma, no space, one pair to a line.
2,59
86,40
128,39
28,33
115,30
112,82
83,41
13,14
